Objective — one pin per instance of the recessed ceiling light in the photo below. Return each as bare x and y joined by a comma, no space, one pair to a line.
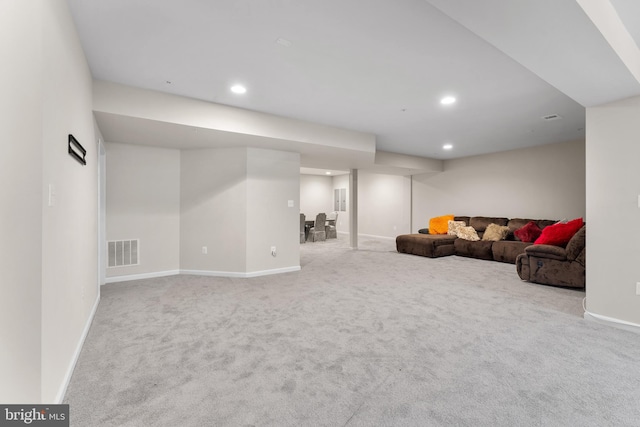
447,100
447,147
238,89
328,173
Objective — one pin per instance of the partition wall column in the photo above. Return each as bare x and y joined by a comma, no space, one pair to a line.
353,208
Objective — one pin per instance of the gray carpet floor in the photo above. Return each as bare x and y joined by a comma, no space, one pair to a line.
356,338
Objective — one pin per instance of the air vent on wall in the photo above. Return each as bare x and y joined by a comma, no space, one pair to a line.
552,117
123,252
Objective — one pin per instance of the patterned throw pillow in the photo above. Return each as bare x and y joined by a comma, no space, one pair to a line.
440,224
454,226
495,232
468,233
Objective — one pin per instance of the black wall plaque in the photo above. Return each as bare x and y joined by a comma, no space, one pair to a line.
76,150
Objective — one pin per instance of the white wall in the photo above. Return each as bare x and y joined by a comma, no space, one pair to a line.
21,85
143,202
70,229
49,253
316,195
234,201
213,212
613,192
546,182
384,204
272,181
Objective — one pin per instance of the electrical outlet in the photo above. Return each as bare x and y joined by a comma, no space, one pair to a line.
637,288
273,251
204,250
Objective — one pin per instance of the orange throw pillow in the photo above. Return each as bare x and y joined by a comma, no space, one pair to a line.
440,224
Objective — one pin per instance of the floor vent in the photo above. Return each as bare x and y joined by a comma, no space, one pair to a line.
123,252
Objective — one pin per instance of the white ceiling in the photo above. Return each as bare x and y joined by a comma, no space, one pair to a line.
375,66
629,13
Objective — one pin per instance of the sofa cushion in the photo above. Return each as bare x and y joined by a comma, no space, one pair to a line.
468,233
480,249
515,224
439,224
428,245
542,223
529,233
480,223
495,232
454,226
559,234
462,218
508,250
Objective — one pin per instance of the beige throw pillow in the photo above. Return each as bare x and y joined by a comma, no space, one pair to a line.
495,232
454,226
468,233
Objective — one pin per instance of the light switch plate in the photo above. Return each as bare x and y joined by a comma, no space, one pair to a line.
637,288
290,202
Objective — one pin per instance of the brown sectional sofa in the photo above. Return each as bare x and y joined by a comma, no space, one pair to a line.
428,245
551,265
438,245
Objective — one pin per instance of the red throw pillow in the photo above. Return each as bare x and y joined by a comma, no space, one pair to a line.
559,234
529,233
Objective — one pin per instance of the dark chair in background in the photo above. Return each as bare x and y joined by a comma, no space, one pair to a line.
330,226
302,231
318,232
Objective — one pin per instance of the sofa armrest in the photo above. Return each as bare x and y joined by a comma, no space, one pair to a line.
547,251
581,258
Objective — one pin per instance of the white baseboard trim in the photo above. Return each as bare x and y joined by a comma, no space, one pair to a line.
128,277
369,235
241,274
611,321
76,355
376,237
